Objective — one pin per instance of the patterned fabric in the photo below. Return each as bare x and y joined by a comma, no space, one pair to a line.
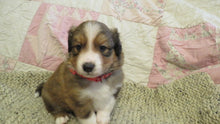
162,40
46,41
179,52
149,12
7,64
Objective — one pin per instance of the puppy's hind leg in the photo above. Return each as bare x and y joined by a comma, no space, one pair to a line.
61,116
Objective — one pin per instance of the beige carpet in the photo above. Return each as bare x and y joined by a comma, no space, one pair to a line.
193,99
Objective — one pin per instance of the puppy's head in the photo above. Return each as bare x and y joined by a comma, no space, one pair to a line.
94,49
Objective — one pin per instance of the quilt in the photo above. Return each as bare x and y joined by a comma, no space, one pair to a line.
163,40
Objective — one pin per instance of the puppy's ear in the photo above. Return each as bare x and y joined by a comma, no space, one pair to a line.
117,42
70,38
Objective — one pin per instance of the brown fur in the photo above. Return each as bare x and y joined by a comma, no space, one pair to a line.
61,93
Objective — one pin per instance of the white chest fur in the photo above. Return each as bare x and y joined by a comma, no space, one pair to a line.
100,93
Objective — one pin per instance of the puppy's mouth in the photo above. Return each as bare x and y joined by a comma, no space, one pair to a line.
90,75
84,74
92,78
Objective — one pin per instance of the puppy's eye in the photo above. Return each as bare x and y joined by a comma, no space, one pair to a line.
105,51
103,48
78,47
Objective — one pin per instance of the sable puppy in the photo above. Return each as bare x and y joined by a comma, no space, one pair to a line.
87,83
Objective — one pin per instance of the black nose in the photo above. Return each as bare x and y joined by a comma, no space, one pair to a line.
88,67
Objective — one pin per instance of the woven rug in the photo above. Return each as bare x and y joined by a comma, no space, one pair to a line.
193,99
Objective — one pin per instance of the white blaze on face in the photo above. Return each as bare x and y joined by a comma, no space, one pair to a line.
89,55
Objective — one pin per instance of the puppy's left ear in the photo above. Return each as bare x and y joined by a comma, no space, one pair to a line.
116,39
70,38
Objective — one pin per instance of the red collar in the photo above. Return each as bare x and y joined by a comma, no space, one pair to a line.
96,79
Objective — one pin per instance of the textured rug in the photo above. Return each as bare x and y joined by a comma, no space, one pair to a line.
193,99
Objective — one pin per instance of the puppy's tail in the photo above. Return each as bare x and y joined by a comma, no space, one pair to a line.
38,90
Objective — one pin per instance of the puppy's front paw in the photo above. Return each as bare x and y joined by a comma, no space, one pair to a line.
62,120
102,118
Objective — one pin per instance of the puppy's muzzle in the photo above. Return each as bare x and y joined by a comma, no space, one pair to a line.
88,67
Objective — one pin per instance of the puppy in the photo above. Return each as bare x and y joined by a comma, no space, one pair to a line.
87,83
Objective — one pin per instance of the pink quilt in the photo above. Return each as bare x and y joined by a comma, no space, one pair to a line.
46,40
179,52
159,44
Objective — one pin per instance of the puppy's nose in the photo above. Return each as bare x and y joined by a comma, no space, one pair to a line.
88,67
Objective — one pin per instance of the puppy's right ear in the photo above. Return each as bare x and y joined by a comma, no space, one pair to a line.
70,38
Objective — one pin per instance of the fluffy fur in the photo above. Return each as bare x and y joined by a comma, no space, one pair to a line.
94,50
